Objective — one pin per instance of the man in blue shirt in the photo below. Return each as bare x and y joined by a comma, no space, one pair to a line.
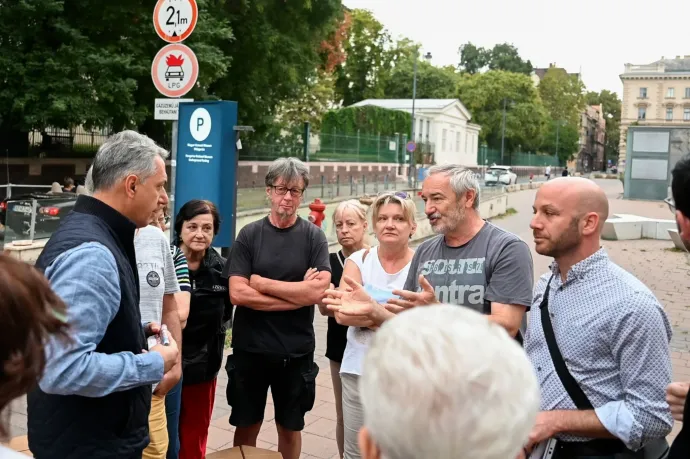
94,398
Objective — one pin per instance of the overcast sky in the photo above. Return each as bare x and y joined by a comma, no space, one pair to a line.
597,36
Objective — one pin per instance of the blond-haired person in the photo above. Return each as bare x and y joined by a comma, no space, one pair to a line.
380,270
350,223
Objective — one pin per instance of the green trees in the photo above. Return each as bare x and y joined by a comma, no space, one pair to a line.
66,63
526,119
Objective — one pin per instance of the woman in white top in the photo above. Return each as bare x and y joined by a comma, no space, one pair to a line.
379,271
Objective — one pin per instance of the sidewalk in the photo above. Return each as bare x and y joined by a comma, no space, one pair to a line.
662,269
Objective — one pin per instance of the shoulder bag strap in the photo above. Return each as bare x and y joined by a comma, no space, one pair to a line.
571,386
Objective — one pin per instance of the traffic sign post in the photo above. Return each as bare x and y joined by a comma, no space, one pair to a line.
174,20
175,68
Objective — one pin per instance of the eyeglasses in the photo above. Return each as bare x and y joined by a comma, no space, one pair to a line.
397,194
671,205
282,190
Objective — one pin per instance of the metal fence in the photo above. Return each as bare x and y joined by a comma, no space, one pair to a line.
335,147
74,142
487,156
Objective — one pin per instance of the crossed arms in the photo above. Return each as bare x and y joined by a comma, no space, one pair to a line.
263,294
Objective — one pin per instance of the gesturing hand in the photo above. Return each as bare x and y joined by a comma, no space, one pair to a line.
412,299
354,303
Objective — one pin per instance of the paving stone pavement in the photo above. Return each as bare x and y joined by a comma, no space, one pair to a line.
664,270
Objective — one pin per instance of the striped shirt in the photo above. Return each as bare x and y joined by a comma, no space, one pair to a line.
181,269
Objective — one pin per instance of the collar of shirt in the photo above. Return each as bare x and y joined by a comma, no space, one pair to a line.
580,270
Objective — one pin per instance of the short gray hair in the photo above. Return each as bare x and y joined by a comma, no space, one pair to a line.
122,154
289,169
443,382
462,180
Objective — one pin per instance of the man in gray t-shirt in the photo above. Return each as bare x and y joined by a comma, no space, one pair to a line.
471,263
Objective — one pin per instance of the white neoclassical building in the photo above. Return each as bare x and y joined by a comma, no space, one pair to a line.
443,122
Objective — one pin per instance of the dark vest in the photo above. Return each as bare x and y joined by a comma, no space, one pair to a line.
114,426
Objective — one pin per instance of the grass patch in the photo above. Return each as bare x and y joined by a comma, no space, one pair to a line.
674,249
228,338
509,211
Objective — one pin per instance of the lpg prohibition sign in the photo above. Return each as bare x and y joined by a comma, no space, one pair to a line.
174,70
174,20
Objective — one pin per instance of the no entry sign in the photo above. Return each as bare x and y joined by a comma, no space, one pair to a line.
175,20
175,70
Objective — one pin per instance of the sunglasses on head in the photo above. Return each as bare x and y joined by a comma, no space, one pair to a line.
397,194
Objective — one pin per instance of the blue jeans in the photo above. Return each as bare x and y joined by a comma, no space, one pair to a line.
173,401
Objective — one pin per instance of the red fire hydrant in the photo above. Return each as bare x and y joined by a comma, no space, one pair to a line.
316,215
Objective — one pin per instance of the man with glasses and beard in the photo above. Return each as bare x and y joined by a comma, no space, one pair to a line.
677,392
278,270
471,263
609,400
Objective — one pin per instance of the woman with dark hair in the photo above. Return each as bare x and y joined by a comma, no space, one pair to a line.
203,337
30,312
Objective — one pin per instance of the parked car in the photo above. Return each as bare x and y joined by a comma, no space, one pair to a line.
15,212
500,175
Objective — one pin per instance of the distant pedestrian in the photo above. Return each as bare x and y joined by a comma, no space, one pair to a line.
547,172
95,396
30,312
278,270
565,172
597,338
69,185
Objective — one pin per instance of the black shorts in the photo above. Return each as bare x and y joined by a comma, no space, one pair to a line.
292,382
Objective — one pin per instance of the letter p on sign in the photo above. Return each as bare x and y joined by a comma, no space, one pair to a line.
200,124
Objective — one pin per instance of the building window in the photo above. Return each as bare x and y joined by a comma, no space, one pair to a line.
687,93
642,113
670,92
457,142
443,139
643,93
686,114
428,129
669,114
421,128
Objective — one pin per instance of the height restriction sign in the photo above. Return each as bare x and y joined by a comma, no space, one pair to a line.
174,70
175,20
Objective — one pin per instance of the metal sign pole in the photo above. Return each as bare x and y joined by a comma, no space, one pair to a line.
173,167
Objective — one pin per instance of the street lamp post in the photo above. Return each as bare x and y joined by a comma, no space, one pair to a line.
503,130
558,130
427,56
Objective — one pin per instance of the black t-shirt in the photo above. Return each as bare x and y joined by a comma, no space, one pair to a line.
283,254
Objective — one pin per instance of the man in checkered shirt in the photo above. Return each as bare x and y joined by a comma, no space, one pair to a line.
611,330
